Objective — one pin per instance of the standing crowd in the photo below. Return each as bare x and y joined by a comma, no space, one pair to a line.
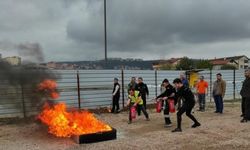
179,96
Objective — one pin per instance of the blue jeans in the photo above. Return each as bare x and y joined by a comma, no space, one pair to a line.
218,103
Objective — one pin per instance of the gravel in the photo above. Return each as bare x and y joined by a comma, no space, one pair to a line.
217,131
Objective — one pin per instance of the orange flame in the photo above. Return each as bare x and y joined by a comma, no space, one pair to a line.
49,87
64,124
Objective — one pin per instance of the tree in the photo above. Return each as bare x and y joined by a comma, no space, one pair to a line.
228,67
203,64
185,64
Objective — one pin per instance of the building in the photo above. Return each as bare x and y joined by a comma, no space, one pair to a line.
158,65
240,62
13,60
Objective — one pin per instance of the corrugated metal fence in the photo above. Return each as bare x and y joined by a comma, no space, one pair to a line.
93,88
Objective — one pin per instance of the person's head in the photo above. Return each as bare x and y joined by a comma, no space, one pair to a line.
140,80
133,79
247,73
178,83
132,92
165,82
201,78
218,76
182,76
115,80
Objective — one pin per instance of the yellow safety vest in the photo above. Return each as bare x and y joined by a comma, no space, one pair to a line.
136,98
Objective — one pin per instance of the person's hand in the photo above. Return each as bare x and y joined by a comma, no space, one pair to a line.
135,104
165,98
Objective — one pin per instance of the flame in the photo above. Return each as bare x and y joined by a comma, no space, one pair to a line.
65,124
49,87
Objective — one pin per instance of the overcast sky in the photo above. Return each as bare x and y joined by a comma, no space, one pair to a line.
70,30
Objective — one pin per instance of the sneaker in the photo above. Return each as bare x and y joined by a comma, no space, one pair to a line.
129,122
168,125
216,112
196,125
242,115
177,130
243,120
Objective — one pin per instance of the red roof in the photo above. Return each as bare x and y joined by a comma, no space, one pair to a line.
219,62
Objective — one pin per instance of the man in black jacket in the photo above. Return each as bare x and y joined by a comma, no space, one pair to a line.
143,89
168,94
188,103
116,97
245,93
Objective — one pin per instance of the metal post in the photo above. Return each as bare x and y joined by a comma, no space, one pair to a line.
155,83
78,90
122,74
234,83
23,102
211,83
105,32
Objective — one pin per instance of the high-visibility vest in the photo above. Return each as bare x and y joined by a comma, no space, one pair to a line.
136,98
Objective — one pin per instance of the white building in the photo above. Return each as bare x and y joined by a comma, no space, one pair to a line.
13,60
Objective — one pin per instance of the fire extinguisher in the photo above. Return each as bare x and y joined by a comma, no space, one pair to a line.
133,112
158,106
171,105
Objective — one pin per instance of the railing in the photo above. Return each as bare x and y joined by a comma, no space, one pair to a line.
92,88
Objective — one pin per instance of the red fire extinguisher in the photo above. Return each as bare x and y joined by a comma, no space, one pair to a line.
158,106
133,112
171,106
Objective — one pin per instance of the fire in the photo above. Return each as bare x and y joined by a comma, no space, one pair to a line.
64,124
49,87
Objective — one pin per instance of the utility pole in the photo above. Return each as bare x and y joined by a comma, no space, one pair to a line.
105,32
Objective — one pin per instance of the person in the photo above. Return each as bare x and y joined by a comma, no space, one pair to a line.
143,89
185,94
168,94
245,94
201,87
184,80
219,89
132,84
134,99
115,97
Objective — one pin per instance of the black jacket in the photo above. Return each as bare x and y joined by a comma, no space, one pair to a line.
118,92
143,88
245,90
186,95
169,90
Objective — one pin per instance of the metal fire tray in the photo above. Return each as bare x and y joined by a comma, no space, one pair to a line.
95,137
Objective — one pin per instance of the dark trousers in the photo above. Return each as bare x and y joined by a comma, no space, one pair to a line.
243,106
218,103
144,104
247,108
115,103
166,113
185,108
141,107
202,101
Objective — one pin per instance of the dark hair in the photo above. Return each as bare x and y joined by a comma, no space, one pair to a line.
140,78
219,74
116,79
132,89
165,80
177,80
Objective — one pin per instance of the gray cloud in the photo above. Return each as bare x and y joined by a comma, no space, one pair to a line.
149,29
